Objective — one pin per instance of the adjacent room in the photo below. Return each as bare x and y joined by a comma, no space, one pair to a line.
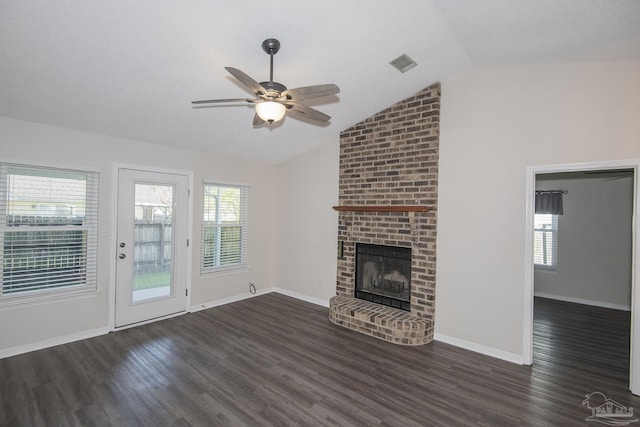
415,213
583,269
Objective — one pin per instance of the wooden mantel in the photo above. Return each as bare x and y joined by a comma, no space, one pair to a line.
382,208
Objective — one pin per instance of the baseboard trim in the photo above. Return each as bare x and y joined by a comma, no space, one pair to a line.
478,348
229,300
52,342
302,297
583,301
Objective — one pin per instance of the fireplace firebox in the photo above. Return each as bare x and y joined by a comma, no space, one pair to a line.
383,275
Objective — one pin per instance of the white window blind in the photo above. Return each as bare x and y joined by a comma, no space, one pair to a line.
224,227
48,230
545,240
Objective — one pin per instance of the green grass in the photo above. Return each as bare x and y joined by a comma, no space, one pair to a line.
151,280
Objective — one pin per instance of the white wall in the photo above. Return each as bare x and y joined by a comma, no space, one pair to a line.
31,142
308,227
496,121
594,241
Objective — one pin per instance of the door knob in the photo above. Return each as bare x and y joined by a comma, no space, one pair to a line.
122,256
122,245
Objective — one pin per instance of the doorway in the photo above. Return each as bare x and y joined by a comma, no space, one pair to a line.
151,253
604,170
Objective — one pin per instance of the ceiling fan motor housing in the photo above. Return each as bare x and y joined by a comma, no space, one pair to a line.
273,86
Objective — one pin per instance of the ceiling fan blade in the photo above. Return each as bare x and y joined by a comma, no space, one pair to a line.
212,101
256,87
257,121
308,92
308,112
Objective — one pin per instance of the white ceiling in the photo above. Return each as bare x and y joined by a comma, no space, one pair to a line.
131,68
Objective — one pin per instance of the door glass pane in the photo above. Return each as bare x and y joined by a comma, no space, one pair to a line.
153,237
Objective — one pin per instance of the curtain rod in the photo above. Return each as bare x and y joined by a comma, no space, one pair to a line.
553,191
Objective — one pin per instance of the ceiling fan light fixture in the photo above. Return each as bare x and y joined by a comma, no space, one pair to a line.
270,111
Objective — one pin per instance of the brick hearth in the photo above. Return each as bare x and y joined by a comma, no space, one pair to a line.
391,159
389,324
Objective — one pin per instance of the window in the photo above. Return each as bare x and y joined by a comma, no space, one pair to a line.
48,231
224,227
545,240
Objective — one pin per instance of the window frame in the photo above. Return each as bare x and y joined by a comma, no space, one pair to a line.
89,227
553,231
243,223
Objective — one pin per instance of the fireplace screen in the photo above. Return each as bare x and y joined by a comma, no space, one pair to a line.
383,275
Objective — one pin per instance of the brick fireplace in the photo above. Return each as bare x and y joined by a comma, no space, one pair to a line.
388,190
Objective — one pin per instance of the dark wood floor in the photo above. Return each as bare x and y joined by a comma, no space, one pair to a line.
273,360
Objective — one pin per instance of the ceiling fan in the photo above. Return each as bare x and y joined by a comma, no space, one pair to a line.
272,99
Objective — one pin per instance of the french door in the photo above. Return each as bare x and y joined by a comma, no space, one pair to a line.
151,260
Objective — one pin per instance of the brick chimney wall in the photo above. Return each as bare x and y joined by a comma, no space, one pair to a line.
391,158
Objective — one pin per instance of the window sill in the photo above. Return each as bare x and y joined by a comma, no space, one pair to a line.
546,268
224,270
26,301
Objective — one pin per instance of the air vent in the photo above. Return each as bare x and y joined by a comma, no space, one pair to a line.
403,63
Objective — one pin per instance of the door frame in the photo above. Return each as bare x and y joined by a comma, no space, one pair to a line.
112,236
532,171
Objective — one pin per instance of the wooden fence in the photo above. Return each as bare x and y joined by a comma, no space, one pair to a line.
152,248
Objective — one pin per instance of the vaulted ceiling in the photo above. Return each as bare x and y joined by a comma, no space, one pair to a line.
131,68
